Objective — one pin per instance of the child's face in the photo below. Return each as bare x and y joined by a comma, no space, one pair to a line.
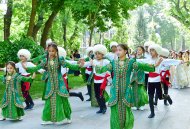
23,58
153,53
52,51
10,69
99,56
114,49
139,51
121,52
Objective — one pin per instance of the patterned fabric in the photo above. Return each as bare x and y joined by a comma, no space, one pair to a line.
121,93
57,106
11,105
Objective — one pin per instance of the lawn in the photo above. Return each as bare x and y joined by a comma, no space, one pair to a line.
38,85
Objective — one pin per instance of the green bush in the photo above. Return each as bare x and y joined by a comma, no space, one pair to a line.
8,50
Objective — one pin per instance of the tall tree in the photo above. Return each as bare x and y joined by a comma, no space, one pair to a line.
8,19
56,6
32,18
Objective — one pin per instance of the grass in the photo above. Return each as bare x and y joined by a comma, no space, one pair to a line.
38,85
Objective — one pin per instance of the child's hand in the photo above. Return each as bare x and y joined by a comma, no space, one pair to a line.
34,75
82,62
159,62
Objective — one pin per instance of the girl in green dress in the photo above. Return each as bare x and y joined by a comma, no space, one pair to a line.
137,81
12,106
57,107
121,93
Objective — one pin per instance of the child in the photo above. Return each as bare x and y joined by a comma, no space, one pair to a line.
121,92
154,80
99,51
137,82
165,74
24,55
12,107
64,71
147,56
57,107
88,70
112,55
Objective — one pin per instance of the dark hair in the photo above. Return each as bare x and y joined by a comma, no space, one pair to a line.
56,48
124,47
12,64
141,48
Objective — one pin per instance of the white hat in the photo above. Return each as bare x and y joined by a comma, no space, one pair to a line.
100,48
62,52
113,44
25,53
88,50
148,43
165,52
48,42
156,47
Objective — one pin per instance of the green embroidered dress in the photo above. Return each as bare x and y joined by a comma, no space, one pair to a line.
12,106
57,106
139,93
121,93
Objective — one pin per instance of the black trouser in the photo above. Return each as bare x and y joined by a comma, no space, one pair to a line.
100,100
165,87
73,94
146,81
88,86
26,95
152,87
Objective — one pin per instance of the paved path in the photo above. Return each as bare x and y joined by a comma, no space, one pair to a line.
176,116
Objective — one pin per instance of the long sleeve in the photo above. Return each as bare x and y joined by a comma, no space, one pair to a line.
36,68
69,65
24,79
39,58
144,67
102,69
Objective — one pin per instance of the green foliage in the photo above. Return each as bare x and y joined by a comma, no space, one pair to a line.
8,50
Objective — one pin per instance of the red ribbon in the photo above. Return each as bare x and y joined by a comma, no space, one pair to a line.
163,78
65,81
151,74
26,84
89,69
104,84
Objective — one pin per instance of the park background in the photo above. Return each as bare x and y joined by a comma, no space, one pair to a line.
78,24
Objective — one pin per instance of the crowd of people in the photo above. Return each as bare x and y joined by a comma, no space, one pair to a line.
136,79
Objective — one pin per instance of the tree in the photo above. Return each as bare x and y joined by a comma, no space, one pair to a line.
56,6
32,18
97,14
8,19
181,11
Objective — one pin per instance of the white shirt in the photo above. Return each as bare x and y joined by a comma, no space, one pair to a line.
22,71
164,64
102,62
112,56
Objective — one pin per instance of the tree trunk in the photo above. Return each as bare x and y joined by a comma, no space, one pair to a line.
8,19
32,18
65,35
75,32
91,34
37,26
47,27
